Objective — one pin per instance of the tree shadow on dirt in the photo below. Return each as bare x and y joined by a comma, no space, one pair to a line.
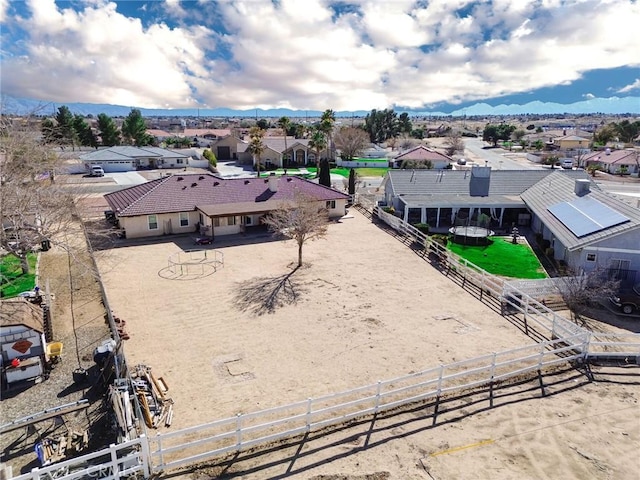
264,295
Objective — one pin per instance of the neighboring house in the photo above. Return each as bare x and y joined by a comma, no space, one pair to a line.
614,161
160,135
21,340
586,228
128,158
443,198
297,152
205,138
572,142
422,155
210,205
226,148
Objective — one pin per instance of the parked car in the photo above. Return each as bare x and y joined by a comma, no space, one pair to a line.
96,171
203,241
628,302
566,163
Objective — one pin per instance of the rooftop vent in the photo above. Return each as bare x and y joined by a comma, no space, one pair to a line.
180,179
184,187
194,184
201,177
246,182
215,184
289,179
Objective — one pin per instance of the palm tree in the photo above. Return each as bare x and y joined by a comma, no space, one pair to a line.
327,121
317,142
256,147
285,124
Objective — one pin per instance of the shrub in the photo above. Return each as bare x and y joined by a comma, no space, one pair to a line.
390,210
423,227
441,239
211,157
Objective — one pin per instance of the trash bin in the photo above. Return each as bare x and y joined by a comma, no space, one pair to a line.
79,376
45,245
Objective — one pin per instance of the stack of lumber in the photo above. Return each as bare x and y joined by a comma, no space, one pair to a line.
123,411
52,450
151,391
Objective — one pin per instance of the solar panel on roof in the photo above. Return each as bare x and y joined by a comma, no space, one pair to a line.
586,215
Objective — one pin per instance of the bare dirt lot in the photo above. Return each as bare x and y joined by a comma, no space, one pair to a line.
363,308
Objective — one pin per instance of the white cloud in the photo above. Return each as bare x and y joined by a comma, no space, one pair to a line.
628,88
4,6
305,55
588,96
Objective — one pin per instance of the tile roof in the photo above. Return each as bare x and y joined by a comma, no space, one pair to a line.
183,193
557,188
614,156
420,152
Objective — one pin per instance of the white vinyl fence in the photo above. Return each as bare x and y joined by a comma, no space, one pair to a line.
245,431
112,463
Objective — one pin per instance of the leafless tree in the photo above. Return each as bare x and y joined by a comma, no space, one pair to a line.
33,207
582,291
302,219
453,143
351,141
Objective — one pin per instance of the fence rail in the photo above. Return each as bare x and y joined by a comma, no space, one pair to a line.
197,444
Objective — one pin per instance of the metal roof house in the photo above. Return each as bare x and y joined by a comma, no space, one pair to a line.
587,228
443,198
210,205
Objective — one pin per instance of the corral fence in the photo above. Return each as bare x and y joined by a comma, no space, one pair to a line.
567,345
124,460
243,432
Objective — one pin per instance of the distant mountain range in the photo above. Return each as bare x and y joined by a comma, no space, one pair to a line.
609,106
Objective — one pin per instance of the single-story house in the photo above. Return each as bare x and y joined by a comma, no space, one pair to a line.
128,158
614,161
422,155
586,227
444,198
297,152
205,137
22,340
209,205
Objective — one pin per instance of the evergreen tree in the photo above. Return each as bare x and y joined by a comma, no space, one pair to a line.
109,134
325,174
352,181
134,129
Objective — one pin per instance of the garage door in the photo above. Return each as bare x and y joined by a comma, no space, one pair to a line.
224,153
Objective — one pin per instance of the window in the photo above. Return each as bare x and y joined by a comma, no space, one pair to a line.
153,222
231,220
247,220
216,222
617,264
184,219
331,204
179,161
591,257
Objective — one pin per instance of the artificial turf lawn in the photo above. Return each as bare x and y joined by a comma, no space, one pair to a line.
501,257
13,281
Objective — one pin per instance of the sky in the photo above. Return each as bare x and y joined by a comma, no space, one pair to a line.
319,54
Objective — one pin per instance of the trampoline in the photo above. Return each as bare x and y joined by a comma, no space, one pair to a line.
470,235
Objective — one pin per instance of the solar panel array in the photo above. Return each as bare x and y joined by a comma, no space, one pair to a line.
586,215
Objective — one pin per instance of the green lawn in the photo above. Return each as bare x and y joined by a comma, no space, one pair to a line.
12,280
502,258
371,160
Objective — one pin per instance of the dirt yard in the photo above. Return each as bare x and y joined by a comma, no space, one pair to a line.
363,308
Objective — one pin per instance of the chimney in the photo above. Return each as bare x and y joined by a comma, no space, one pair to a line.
582,187
273,183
